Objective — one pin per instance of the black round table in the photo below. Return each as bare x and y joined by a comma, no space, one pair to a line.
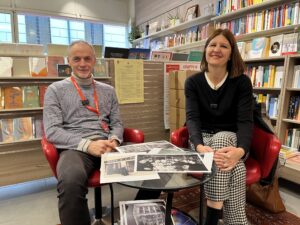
172,182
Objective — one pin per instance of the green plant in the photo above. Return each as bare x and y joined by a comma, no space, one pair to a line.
134,33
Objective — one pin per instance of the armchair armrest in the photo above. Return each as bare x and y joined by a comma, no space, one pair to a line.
133,135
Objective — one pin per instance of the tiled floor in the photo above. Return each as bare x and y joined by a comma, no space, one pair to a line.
35,203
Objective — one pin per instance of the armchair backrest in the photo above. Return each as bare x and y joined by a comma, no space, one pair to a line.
180,137
52,156
265,149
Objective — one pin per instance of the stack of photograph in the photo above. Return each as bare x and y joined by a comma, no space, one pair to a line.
145,161
142,212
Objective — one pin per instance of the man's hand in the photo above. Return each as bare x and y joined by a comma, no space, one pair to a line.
99,147
226,158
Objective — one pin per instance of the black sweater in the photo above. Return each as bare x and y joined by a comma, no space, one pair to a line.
227,109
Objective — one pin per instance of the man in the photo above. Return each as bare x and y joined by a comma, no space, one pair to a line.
81,118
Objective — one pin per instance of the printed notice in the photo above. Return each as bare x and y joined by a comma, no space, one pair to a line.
129,80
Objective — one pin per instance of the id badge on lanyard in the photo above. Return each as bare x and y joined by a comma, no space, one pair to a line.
85,103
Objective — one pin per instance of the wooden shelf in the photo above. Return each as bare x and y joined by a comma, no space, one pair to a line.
289,174
186,46
249,9
291,121
265,59
267,33
293,89
174,29
7,145
23,81
266,89
9,113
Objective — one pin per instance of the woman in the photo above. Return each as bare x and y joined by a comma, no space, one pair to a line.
219,119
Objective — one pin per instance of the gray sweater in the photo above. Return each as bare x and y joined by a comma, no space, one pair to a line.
70,125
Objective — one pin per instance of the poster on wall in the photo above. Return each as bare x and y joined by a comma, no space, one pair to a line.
168,68
129,80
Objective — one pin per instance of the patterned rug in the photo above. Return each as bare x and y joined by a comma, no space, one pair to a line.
188,201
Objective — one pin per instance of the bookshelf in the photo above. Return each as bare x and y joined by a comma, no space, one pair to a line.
237,21
178,29
285,122
253,8
21,157
185,25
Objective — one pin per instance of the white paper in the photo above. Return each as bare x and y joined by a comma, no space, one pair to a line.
120,167
154,147
174,163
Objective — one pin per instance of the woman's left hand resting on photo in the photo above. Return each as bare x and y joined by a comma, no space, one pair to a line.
99,147
226,158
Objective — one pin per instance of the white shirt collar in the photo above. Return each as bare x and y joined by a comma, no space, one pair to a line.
215,87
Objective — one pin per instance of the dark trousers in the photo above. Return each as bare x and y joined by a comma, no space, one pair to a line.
73,170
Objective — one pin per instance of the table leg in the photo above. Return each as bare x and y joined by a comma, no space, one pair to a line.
168,215
201,205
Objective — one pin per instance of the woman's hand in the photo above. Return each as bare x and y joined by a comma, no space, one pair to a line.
226,158
202,149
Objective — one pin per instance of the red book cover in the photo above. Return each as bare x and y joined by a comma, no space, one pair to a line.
42,90
52,62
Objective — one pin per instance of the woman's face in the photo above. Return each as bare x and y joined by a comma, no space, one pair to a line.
218,52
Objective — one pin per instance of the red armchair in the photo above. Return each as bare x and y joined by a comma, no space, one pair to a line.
264,152
130,135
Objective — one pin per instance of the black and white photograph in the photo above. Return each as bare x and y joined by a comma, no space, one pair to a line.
142,212
175,163
155,147
118,167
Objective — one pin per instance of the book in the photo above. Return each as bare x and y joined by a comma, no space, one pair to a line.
180,56
296,78
7,130
259,47
22,129
38,126
64,70
276,45
31,97
37,66
289,44
113,52
1,98
52,62
42,91
242,48
161,56
6,66
195,56
21,67
100,68
139,53
13,97
278,76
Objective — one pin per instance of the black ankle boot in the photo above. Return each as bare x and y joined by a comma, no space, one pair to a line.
213,216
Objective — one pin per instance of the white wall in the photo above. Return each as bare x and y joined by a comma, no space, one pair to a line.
145,10
113,11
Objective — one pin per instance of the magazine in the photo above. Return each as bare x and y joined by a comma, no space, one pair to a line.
146,212
155,147
118,167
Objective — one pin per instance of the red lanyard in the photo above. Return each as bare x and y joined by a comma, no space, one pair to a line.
84,100
85,103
